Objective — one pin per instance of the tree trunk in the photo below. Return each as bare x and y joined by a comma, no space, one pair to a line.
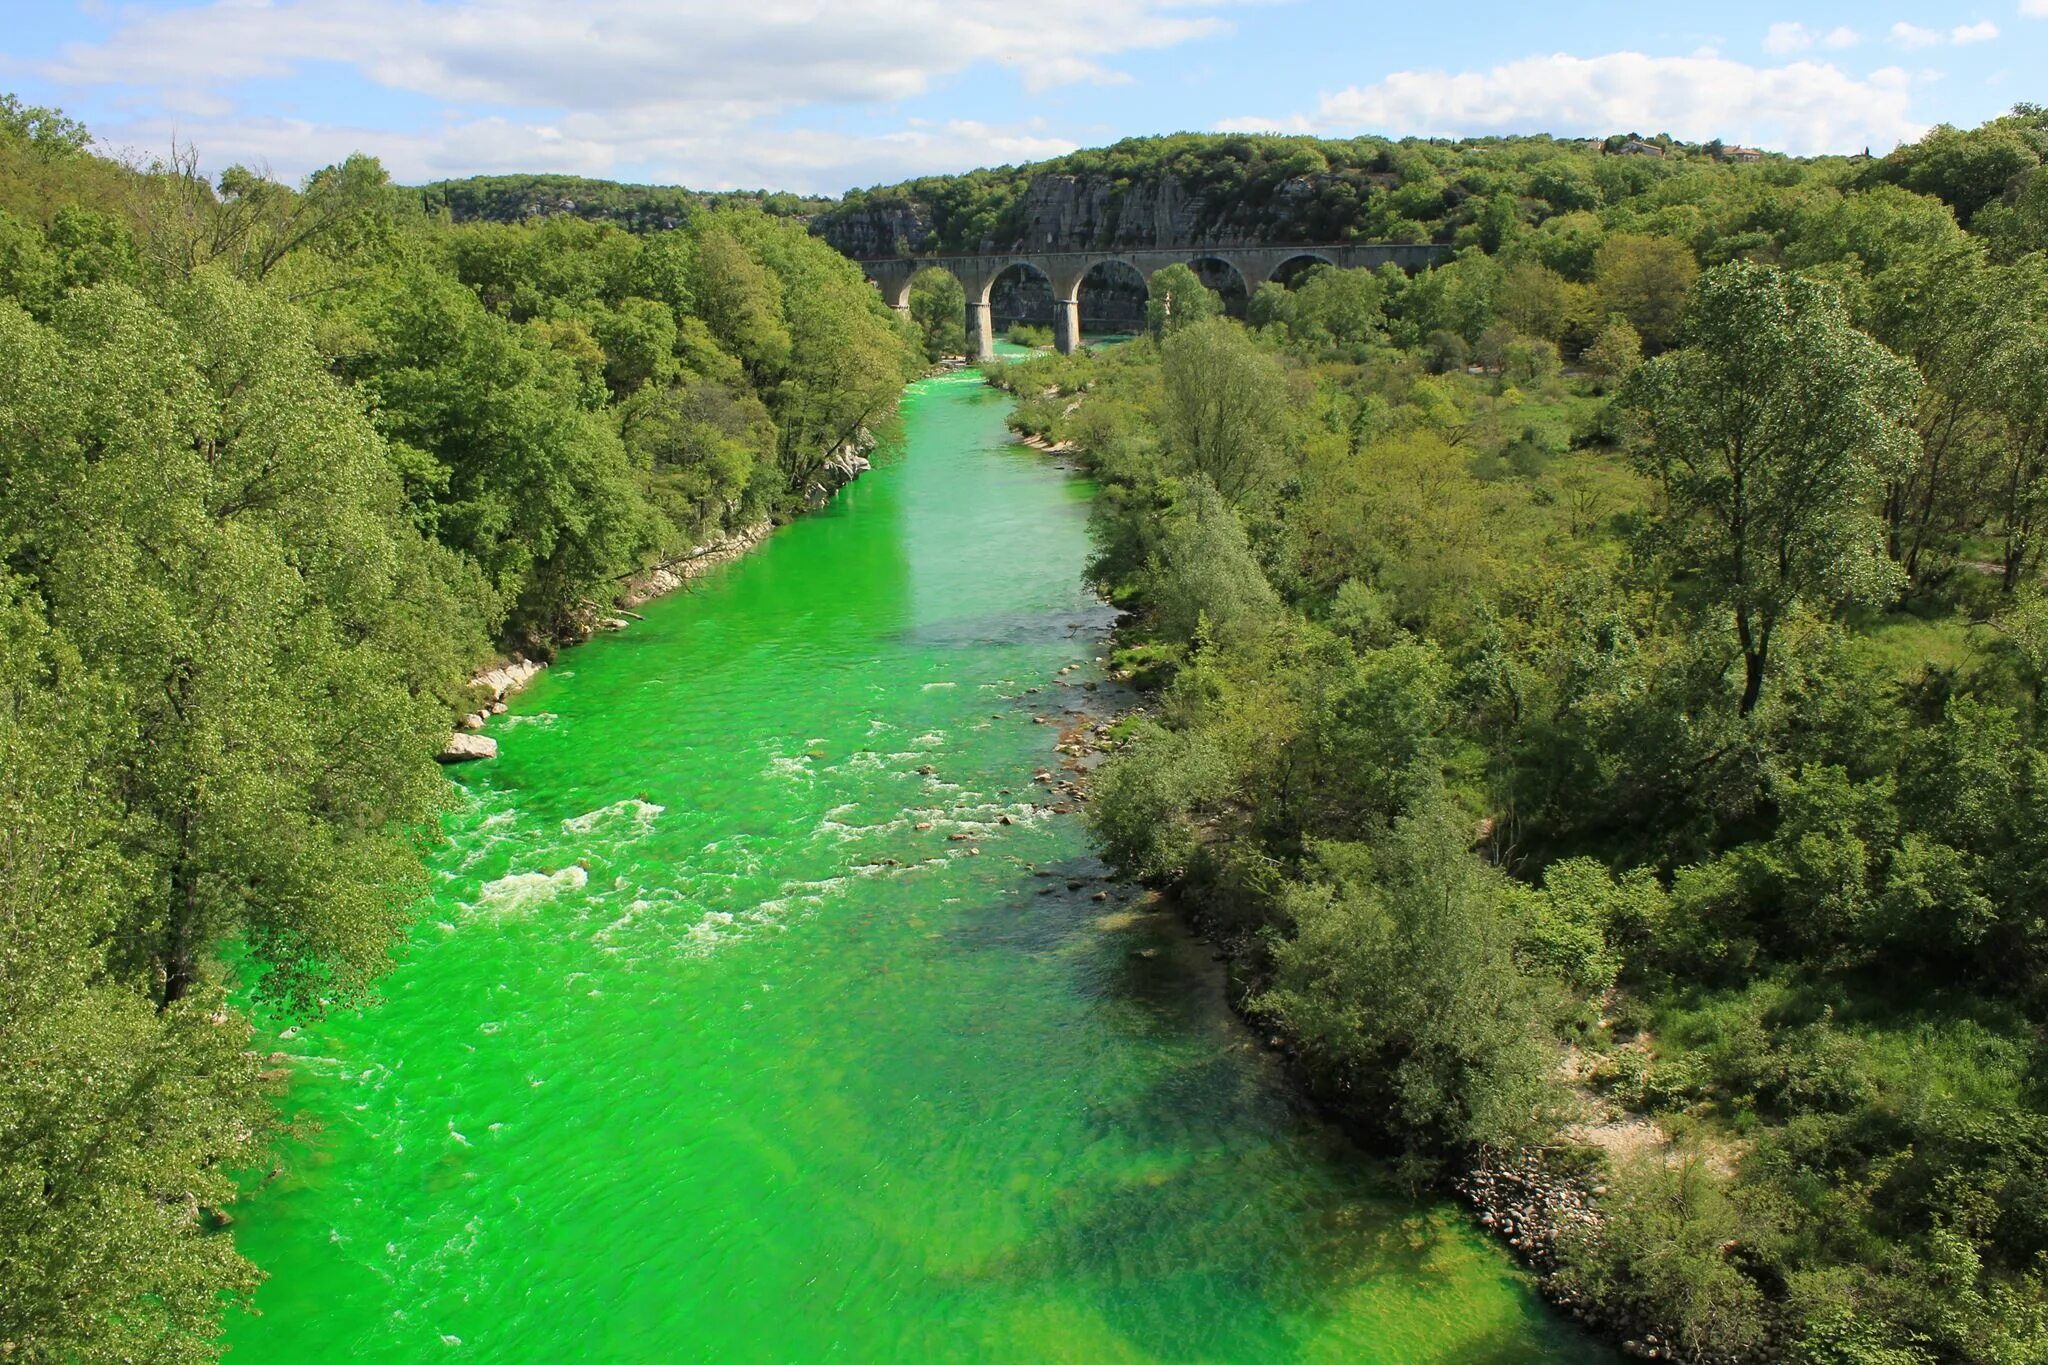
179,965
1752,678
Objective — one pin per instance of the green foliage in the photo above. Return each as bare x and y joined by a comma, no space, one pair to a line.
1771,433
45,132
1224,403
1799,922
1616,351
1667,1254
1024,334
938,306
636,208
1399,977
1582,920
1177,298
1204,579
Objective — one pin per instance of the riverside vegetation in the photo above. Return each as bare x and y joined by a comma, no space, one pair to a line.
282,467
1600,696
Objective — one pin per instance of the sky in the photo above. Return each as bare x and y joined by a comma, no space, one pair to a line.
818,96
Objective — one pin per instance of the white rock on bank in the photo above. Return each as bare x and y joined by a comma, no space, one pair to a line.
467,748
508,677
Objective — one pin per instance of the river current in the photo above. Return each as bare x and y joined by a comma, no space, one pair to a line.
715,1043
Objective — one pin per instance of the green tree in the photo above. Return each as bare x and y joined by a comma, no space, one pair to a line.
47,132
119,1123
1616,351
1226,402
504,459
1771,433
1204,575
1177,298
1399,978
938,306
1645,279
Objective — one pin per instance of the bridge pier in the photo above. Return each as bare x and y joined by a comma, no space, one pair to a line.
981,330
1066,325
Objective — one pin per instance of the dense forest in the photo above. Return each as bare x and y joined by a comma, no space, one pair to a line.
1600,697
282,467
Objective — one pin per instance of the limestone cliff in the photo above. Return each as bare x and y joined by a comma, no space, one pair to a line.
1062,212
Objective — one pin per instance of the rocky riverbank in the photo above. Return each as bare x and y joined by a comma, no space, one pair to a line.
496,683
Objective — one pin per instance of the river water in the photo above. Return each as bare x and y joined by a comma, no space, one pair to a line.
703,1050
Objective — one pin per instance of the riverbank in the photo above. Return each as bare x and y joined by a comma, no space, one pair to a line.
499,680
1534,1200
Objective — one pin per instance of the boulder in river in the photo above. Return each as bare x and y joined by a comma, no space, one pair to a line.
466,748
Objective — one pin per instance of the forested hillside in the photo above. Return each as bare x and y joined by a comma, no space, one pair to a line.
1601,701
1205,187
636,208
282,466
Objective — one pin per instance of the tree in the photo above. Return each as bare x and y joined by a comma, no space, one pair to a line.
1537,301
119,1123
938,306
46,132
251,223
225,650
740,299
1178,299
1617,351
213,522
1226,402
1645,279
1400,979
1204,575
509,466
1771,432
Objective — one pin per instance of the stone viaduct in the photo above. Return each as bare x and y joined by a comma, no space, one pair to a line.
1066,271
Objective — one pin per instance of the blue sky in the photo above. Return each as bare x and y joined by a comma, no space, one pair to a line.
818,96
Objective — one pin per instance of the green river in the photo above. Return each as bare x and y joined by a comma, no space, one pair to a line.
705,1050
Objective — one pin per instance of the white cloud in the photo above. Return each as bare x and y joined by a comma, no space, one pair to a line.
2034,9
1912,35
601,83
1787,38
1843,36
1973,33
741,157
1804,107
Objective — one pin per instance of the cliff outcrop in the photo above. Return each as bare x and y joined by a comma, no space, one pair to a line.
1053,211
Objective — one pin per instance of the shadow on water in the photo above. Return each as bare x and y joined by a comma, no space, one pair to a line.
1225,1186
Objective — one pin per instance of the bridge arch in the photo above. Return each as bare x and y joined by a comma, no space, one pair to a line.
1286,273
1219,272
1026,269
1112,294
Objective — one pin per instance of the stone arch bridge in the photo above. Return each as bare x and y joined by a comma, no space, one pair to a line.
1067,271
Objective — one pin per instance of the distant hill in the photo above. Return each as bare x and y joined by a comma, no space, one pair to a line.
1193,188
637,208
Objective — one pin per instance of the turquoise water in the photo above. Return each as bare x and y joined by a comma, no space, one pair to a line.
704,1050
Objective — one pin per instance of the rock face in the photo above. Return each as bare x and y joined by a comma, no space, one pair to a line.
467,748
884,230
847,462
1076,213
1094,213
